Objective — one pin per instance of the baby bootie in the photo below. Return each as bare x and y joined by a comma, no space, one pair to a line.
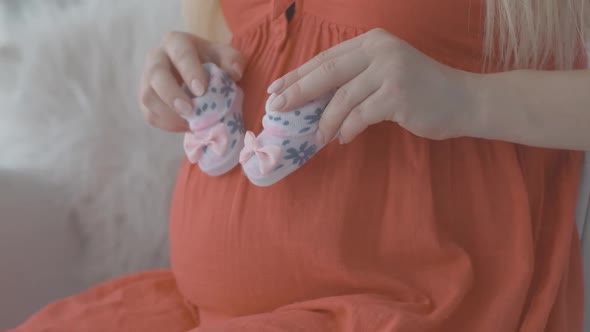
216,127
288,140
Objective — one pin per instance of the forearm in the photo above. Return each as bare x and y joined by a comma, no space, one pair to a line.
537,108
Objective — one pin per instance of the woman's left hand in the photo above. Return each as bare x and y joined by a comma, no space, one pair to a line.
379,77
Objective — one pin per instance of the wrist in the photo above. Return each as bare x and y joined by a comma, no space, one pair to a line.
478,91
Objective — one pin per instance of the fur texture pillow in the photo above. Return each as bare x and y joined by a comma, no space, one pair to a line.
71,117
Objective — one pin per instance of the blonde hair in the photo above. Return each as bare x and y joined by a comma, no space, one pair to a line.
535,33
518,33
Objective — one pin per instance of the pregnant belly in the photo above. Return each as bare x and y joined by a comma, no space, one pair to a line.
232,255
230,273
238,249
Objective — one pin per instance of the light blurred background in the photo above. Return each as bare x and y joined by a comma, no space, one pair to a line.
85,183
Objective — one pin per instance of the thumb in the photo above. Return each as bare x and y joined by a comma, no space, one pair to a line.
228,59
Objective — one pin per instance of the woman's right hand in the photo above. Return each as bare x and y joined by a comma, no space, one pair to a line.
179,60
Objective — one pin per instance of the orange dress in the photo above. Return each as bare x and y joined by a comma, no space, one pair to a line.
388,233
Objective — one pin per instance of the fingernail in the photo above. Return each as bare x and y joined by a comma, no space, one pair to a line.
182,107
319,137
237,70
197,87
275,86
278,103
337,135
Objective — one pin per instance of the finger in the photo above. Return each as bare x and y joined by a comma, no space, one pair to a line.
166,86
183,52
228,59
329,76
175,126
152,102
368,112
159,115
287,80
346,99
156,121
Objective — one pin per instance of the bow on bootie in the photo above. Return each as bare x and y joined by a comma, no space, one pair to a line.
268,156
215,138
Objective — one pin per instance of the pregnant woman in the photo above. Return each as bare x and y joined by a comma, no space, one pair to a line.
447,206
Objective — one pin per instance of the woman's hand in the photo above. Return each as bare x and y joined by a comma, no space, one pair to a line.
379,77
179,60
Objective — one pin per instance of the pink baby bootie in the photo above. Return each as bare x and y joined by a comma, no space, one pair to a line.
288,140
217,129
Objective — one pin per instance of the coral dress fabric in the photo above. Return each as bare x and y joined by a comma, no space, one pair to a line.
391,232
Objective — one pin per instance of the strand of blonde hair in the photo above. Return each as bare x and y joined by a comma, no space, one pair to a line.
535,33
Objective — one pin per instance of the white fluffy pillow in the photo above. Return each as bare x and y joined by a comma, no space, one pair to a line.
74,120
